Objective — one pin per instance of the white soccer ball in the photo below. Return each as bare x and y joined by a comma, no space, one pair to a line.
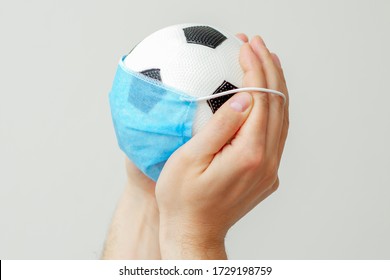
196,59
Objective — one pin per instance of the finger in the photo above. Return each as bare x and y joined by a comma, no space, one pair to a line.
271,65
222,126
252,134
276,106
242,37
283,136
276,60
286,121
278,63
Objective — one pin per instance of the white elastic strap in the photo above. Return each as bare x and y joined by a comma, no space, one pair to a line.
208,97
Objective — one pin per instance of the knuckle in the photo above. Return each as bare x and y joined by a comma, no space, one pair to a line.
256,160
220,121
279,101
251,161
182,155
270,180
275,186
262,99
224,123
268,64
271,172
273,166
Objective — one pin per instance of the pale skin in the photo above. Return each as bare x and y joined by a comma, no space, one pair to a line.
213,180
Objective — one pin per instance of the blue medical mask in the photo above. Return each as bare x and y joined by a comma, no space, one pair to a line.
152,120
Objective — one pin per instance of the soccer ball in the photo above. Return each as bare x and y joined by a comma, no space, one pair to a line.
196,59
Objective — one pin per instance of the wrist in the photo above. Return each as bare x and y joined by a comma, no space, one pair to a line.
139,192
135,227
143,204
192,242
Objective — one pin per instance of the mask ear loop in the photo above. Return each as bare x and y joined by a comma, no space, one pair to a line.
208,97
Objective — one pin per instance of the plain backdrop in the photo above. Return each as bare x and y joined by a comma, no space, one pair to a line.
61,171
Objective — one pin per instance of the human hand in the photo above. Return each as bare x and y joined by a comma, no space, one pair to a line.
228,167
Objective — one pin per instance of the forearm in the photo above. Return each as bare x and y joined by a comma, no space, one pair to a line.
133,233
178,243
188,251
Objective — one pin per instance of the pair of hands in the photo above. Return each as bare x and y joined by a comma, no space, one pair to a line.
225,170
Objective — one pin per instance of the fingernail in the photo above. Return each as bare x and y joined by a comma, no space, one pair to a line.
240,102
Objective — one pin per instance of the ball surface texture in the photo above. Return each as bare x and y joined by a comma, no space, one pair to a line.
196,59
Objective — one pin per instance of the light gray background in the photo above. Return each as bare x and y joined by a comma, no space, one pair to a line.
61,172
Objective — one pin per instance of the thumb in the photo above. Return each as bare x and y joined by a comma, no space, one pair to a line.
222,126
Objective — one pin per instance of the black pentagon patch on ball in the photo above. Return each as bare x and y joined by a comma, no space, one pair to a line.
145,101
216,103
204,35
153,73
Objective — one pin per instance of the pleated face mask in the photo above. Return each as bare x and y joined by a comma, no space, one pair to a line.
152,120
